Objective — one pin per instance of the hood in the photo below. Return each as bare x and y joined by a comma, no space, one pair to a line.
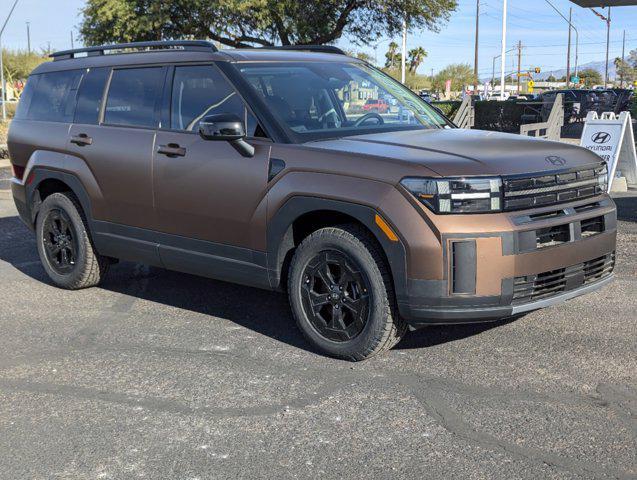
457,152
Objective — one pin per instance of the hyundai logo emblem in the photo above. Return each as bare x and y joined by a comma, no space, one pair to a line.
557,161
601,137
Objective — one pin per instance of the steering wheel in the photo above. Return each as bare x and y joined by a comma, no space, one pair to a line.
369,116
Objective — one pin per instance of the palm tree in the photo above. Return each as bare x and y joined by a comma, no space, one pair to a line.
391,54
416,57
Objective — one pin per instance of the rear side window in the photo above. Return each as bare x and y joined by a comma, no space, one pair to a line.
53,96
133,96
199,91
22,111
89,97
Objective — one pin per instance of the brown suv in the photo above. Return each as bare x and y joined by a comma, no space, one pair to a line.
263,167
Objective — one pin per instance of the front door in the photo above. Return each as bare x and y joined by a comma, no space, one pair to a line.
206,190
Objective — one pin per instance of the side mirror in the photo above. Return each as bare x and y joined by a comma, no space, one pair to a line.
226,127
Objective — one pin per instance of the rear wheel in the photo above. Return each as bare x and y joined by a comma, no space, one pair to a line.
65,246
341,294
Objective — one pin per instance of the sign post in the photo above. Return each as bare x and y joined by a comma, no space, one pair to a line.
612,138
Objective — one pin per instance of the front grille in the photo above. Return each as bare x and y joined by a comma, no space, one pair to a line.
599,268
544,285
539,190
551,236
592,226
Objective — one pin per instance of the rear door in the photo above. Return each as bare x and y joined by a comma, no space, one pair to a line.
117,141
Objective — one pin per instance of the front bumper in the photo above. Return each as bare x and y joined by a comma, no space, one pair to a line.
543,258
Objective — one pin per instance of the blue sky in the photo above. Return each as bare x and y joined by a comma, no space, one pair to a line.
542,32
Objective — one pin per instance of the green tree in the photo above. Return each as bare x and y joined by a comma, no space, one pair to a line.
460,74
18,64
625,71
366,57
551,78
241,23
416,57
590,77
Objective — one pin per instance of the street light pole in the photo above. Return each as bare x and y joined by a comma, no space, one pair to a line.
570,23
493,68
475,63
2,82
607,20
504,46
568,50
29,37
404,55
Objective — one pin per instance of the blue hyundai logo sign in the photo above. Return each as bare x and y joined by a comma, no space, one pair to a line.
601,137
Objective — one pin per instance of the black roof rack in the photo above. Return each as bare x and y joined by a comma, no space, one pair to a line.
309,48
188,45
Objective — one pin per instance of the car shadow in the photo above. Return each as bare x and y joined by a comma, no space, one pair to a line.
261,311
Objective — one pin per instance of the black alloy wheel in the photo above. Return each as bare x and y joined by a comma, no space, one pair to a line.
60,241
335,296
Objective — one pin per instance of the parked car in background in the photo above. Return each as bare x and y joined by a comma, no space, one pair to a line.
426,96
250,166
378,105
496,96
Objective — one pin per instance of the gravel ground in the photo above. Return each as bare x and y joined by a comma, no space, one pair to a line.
163,375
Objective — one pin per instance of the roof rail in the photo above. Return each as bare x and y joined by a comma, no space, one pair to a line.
189,45
310,48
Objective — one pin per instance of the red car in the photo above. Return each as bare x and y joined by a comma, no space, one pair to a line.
376,105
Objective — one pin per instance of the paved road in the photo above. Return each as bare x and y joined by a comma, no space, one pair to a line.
163,375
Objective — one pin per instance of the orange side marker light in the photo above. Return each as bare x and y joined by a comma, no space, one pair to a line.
382,224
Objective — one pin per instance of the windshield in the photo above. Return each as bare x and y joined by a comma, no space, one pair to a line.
326,99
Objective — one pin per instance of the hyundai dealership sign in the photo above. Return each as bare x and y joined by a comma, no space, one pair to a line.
611,137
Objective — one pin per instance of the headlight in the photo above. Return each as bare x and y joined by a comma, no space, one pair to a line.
457,195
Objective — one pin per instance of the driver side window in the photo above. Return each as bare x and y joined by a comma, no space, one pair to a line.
201,90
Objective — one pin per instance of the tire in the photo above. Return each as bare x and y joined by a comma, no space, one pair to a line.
350,249
61,225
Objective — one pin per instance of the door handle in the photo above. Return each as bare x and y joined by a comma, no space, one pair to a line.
172,150
82,139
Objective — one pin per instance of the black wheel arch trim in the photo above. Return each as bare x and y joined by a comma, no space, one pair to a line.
39,175
280,240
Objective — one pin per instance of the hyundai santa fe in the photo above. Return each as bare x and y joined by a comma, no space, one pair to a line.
263,167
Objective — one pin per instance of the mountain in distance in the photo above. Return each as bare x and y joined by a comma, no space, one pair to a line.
599,66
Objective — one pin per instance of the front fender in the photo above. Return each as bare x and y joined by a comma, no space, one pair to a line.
299,193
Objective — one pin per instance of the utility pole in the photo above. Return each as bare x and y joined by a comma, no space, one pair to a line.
504,46
568,50
2,82
475,63
404,50
621,71
29,37
607,47
519,48
72,45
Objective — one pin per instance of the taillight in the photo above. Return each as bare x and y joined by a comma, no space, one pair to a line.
18,171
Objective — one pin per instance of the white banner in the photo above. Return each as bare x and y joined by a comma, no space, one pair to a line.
612,138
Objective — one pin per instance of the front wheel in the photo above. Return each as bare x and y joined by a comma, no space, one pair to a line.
341,294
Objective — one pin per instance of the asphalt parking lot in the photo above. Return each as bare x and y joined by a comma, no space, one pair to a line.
162,375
